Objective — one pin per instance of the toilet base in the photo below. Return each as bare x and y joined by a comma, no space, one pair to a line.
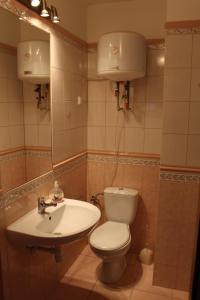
112,270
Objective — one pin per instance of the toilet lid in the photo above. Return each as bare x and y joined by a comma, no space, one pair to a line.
110,236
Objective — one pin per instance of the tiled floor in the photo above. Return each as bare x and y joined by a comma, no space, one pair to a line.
81,283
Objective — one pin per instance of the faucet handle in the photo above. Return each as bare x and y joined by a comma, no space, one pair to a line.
41,200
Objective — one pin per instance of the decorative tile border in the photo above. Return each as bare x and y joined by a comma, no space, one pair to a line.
124,160
13,195
20,153
179,176
39,154
174,31
12,156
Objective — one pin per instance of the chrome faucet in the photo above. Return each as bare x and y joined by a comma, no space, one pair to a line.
42,205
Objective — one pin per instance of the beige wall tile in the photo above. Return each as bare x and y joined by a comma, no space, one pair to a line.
194,120
15,90
3,90
4,114
16,136
174,149
92,65
5,138
154,89
96,114
176,117
179,50
134,140
96,138
177,84
195,85
96,91
193,157
4,64
30,113
135,118
31,135
140,87
153,117
16,114
165,276
152,141
196,51
44,136
113,116
114,139
155,62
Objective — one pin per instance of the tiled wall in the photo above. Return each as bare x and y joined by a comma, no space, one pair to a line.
37,125
69,98
11,121
34,275
136,173
11,102
179,189
37,121
181,130
139,130
131,132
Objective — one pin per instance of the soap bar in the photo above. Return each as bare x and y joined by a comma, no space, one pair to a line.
146,256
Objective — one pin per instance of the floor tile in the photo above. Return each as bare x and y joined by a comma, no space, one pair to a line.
102,292
88,252
83,271
139,295
180,295
145,283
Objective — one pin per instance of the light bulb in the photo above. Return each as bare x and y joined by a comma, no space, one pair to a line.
35,3
44,13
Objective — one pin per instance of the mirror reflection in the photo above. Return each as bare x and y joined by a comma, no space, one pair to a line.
25,125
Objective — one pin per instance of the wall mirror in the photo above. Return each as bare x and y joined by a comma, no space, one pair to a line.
25,125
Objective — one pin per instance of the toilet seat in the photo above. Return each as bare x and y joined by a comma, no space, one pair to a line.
110,236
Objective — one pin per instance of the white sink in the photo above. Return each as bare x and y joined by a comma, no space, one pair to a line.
65,223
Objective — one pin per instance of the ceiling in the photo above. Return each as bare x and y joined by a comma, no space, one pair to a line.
89,2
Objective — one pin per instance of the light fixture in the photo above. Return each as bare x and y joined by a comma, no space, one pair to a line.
45,10
22,16
54,15
35,3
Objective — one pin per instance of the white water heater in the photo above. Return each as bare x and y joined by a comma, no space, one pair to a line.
34,61
122,56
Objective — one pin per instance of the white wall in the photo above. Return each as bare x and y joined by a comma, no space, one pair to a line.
179,10
73,16
28,32
144,16
10,31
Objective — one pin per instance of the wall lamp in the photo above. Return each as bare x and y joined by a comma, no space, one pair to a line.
35,3
46,12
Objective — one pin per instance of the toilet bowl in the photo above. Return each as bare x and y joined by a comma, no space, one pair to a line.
111,240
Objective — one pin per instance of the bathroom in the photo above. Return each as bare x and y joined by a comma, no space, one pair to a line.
69,129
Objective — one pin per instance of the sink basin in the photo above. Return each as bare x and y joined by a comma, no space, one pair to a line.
69,221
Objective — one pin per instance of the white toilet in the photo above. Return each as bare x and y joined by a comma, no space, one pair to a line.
111,241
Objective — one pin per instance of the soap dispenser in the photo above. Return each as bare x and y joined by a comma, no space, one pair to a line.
56,194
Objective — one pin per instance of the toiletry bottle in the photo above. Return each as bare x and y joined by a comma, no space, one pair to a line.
56,194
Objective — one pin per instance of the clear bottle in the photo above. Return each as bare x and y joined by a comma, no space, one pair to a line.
56,194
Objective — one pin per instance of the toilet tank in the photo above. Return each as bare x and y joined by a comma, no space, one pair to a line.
120,204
